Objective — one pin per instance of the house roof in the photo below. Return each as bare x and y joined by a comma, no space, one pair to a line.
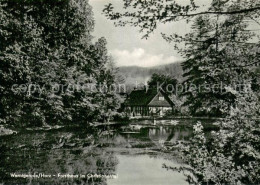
144,98
155,102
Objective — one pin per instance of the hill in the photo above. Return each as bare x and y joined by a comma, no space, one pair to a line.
139,75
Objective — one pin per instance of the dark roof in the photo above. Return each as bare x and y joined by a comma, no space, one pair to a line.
143,98
140,97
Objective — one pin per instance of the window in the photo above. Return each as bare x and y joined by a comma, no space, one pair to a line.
161,98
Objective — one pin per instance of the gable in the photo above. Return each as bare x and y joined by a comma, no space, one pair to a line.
161,100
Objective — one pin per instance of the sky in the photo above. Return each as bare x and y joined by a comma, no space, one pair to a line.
125,43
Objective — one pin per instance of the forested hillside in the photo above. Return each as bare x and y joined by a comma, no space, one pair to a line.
133,74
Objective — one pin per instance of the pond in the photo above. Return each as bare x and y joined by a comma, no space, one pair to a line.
147,170
113,155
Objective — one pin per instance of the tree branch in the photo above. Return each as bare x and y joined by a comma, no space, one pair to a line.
223,13
192,14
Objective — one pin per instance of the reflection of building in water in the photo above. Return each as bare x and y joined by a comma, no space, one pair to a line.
168,134
148,136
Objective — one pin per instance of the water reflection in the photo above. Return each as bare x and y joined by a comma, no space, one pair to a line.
82,151
169,134
51,154
159,135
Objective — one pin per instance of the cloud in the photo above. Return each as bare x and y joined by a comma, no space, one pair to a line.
139,57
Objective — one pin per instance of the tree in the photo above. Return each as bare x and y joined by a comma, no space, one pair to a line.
230,155
164,82
210,49
47,49
219,49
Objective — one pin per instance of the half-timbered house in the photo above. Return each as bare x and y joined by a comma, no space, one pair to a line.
148,103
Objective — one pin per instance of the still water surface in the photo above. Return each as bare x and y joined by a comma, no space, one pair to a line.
133,152
144,169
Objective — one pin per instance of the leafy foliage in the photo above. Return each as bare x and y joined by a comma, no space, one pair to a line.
165,82
221,48
49,44
149,13
216,57
230,155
